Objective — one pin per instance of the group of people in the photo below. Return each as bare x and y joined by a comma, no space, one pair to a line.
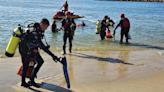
31,42
64,11
105,26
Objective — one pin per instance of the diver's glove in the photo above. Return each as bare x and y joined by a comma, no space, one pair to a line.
55,58
63,60
48,46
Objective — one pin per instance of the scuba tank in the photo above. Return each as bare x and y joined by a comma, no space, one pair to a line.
98,27
13,42
18,36
15,39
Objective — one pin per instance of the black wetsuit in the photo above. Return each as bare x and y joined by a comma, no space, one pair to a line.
66,24
125,27
54,27
28,48
103,29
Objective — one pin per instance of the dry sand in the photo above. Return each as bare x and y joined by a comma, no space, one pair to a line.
93,71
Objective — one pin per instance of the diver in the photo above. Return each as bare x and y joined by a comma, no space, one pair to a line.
29,47
125,27
103,28
69,27
54,27
83,24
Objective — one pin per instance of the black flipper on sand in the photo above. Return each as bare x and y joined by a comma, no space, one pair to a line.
64,62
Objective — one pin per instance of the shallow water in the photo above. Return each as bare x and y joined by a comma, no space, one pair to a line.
146,19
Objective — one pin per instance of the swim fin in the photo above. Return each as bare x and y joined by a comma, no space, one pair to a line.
65,70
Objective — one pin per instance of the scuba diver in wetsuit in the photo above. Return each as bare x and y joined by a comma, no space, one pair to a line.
103,28
29,47
69,27
125,27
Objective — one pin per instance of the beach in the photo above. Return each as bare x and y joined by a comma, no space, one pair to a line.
94,71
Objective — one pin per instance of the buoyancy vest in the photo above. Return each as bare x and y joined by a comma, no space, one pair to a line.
125,23
29,40
67,25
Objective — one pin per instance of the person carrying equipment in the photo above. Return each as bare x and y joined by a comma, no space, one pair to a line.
125,27
29,47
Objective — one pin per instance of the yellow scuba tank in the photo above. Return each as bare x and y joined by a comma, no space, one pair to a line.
111,24
13,42
98,27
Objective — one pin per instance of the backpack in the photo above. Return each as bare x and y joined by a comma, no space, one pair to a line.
125,23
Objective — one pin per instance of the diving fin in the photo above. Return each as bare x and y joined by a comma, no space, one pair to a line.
65,70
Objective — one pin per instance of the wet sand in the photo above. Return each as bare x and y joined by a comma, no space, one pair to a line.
94,71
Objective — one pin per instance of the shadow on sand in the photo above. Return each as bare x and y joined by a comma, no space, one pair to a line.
146,46
142,45
50,87
107,59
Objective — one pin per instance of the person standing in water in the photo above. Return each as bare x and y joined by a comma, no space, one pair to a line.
67,25
103,28
125,27
54,27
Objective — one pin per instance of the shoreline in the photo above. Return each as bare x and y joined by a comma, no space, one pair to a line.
122,47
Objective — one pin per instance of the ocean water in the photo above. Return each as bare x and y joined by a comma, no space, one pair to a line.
147,19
